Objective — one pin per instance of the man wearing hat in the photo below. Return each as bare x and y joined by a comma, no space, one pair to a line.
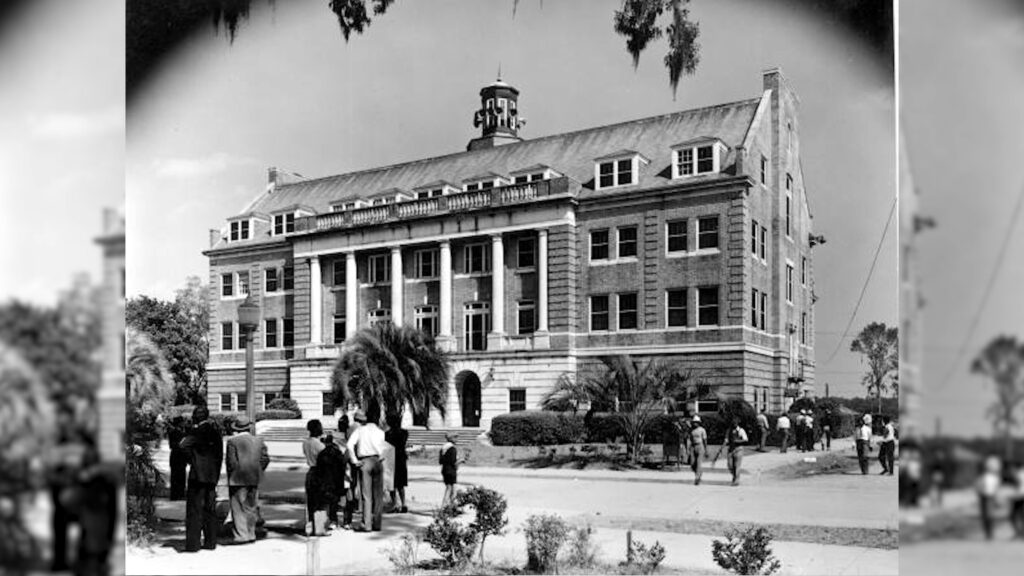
246,460
203,448
698,441
366,451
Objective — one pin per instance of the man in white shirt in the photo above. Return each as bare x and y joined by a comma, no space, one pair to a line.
809,432
887,450
366,451
782,425
863,437
762,428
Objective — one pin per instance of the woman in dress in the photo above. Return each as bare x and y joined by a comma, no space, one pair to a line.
449,460
399,438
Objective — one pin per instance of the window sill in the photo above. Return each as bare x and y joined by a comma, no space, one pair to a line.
422,280
526,270
466,275
227,298
375,284
707,251
627,260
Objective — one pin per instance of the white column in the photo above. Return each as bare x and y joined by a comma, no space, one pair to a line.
542,280
351,295
497,285
397,284
445,329
316,301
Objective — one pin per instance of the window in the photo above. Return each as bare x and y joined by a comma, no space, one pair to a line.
225,402
268,397
684,162
764,170
753,237
379,316
707,233
526,253
764,243
524,178
243,283
803,270
705,159
627,242
242,401
270,280
599,245
803,327
288,277
481,185
627,311
707,306
615,173
789,137
516,399
339,328
327,404
599,312
338,273
789,216
526,315
677,236
478,320
380,201
478,258
423,194
764,308
227,335
426,319
288,338
284,223
227,284
694,160
426,263
240,230
789,283
754,300
380,268
270,333
676,306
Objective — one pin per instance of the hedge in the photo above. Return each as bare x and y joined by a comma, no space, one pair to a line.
537,428
277,415
285,404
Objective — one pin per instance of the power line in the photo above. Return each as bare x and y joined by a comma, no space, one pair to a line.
864,288
988,290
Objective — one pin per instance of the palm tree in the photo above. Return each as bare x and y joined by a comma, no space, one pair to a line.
1003,361
879,344
384,368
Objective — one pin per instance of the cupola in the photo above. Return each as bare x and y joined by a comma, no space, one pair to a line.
498,116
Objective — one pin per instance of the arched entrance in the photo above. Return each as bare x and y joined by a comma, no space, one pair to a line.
468,385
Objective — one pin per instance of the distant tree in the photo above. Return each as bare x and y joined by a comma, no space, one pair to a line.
1002,360
385,368
879,345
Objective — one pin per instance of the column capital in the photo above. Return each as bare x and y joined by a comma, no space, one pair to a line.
446,242
496,237
542,231
396,249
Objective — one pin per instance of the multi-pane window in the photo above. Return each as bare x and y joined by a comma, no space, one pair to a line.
705,159
764,170
243,283
425,262
627,242
225,402
516,399
599,312
526,252
696,160
284,223
288,277
327,404
707,306
477,258
764,243
478,319
227,336
288,332
707,233
677,236
615,173
527,317
789,283
676,307
339,328
599,245
380,268
481,185
242,400
627,311
754,301
270,280
424,194
684,161
338,273
270,333
379,316
426,319
763,312
240,230
524,178
753,237
227,284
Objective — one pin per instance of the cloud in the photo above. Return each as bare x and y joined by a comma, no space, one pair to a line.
75,125
182,168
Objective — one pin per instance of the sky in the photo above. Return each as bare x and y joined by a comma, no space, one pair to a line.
61,142
961,108
289,92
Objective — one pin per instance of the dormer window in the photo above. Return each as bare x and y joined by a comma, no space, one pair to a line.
534,173
694,158
380,201
620,169
284,223
346,206
241,230
483,182
433,193
434,190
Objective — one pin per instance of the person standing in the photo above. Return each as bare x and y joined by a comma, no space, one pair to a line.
1017,510
65,459
94,500
987,486
809,431
735,440
782,425
863,438
205,452
449,461
398,437
698,441
246,460
762,428
179,462
887,449
366,450
826,430
352,493
331,465
311,448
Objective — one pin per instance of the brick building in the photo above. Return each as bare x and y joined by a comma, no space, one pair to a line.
685,235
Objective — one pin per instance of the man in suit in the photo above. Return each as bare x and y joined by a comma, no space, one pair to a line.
246,460
205,452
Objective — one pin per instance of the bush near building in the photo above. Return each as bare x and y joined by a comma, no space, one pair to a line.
285,404
537,428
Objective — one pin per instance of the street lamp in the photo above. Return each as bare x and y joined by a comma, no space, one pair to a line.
248,320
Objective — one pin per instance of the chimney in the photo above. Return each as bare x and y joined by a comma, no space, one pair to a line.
271,179
498,116
215,237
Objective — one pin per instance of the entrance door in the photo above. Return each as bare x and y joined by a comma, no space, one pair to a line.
471,401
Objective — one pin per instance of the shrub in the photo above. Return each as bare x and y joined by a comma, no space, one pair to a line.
644,560
285,404
536,427
490,507
582,549
452,541
277,415
403,553
545,535
746,552
225,420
